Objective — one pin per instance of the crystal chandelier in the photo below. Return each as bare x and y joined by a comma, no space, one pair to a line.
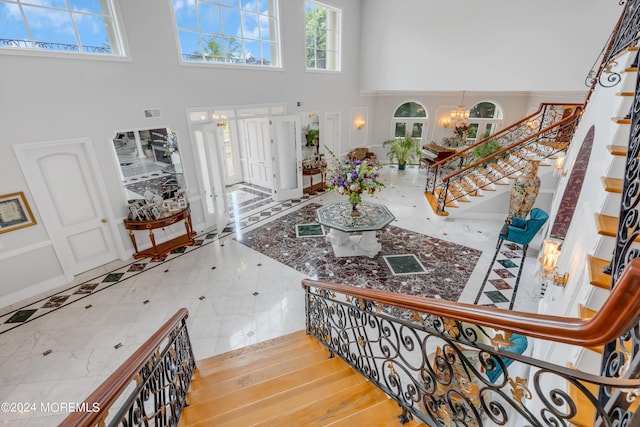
460,115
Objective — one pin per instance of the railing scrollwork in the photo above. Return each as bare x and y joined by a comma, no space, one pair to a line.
152,383
449,364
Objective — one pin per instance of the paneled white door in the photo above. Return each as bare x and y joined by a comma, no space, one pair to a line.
214,153
259,160
71,197
287,157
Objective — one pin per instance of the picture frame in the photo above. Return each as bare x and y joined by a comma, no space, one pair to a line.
15,212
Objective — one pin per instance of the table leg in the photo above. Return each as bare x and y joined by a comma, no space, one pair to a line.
369,244
132,236
153,242
338,238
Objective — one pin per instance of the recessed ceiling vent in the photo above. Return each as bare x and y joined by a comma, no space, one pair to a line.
152,113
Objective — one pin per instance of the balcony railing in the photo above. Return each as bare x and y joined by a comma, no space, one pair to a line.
455,364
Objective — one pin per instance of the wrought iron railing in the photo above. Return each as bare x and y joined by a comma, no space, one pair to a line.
64,47
150,388
455,364
542,134
623,36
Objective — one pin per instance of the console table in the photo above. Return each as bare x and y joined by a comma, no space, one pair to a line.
345,228
156,252
312,189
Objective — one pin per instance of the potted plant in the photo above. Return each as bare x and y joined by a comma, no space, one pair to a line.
402,150
147,148
313,136
483,151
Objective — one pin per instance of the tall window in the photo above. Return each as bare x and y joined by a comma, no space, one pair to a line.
243,32
323,36
485,119
70,26
409,119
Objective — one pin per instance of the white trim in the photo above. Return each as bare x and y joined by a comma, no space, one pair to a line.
31,294
58,54
123,47
25,249
20,151
277,40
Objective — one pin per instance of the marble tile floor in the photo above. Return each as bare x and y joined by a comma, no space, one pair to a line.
235,296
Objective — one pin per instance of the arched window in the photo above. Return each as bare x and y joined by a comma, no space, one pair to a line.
485,118
409,119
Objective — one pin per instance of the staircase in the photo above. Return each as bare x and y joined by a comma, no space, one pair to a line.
463,178
287,381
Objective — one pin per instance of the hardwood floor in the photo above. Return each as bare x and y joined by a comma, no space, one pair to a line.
282,382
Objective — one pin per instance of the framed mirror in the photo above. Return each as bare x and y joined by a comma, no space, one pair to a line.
150,163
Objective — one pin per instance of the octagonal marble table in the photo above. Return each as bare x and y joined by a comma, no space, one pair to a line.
354,235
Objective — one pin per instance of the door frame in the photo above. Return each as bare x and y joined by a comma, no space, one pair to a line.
292,124
69,269
207,177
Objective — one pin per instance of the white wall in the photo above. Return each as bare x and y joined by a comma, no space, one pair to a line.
515,106
405,47
490,45
49,98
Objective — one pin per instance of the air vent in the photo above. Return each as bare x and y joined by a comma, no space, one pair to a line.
151,113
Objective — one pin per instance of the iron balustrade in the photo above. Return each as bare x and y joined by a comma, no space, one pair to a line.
149,388
455,364
543,134
624,36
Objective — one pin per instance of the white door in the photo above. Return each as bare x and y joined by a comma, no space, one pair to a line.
71,198
287,157
211,143
259,160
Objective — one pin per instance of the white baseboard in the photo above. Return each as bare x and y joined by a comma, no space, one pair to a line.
31,294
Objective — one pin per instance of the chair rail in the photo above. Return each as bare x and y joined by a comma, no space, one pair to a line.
116,384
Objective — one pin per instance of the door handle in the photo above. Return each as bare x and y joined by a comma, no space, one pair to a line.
103,220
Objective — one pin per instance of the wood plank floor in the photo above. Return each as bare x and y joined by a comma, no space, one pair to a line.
283,382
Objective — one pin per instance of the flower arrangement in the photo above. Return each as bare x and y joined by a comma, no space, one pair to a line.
461,131
353,178
170,144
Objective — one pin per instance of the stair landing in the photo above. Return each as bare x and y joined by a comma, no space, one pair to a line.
288,381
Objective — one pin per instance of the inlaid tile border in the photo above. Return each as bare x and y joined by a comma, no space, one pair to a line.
75,293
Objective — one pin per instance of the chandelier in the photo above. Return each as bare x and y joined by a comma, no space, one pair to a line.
460,115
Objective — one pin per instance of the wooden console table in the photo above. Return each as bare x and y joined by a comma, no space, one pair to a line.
156,252
312,189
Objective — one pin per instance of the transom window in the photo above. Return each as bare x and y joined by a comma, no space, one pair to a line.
485,119
69,26
243,32
323,36
409,119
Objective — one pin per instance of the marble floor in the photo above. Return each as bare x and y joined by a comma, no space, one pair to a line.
61,347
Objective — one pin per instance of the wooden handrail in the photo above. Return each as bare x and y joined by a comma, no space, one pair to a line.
502,131
109,391
515,144
620,312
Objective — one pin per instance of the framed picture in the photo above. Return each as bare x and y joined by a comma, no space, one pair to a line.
182,203
15,212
